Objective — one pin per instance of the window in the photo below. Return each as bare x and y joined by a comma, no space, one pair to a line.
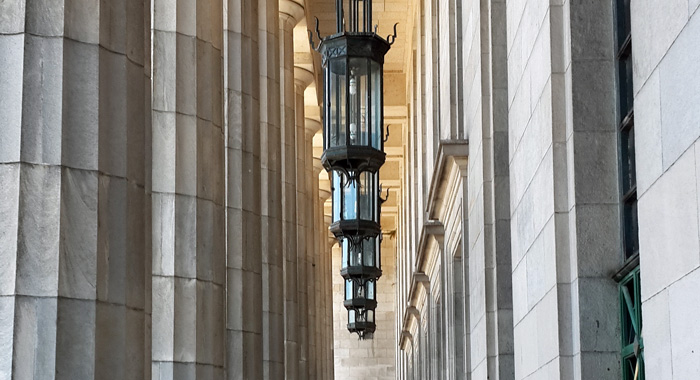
632,347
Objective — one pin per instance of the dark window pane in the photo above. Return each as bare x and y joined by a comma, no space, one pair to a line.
631,228
626,94
627,160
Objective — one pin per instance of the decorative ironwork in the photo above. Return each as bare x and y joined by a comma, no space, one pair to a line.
353,150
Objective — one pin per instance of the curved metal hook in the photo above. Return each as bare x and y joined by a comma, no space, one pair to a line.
382,200
392,38
311,37
386,137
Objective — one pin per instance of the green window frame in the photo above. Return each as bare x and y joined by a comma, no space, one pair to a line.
632,342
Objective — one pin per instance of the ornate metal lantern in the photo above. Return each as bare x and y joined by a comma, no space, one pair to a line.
353,151
353,138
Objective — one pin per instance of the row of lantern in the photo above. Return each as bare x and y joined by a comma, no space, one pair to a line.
353,152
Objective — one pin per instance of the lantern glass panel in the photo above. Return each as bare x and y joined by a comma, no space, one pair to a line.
359,289
365,253
358,82
355,199
370,316
351,316
337,98
376,104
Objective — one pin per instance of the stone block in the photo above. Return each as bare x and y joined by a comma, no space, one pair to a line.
541,266
9,208
135,123
111,346
82,20
112,26
80,105
34,340
596,167
668,224
655,26
161,370
75,339
135,32
164,143
210,323
112,240
134,363
647,134
207,79
597,239
77,269
42,100
7,325
12,16
600,365
165,70
164,16
594,96
185,320
684,302
135,246
163,236
600,328
113,113
658,353
679,81
185,236
546,315
38,230
592,33
163,319
11,74
186,155
186,72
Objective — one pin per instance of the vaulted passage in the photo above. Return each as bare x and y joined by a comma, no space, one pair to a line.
165,212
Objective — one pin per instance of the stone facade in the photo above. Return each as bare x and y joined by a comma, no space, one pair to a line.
510,219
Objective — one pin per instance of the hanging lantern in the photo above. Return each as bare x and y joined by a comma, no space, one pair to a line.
361,322
353,138
356,206
353,151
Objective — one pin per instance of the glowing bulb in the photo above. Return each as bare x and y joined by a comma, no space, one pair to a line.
353,85
353,131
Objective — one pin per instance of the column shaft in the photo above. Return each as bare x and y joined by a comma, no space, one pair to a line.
188,228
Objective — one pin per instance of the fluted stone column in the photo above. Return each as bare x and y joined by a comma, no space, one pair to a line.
328,242
72,190
302,79
319,330
311,126
290,13
188,231
325,285
244,86
271,190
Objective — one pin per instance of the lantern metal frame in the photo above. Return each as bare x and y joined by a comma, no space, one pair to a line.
353,151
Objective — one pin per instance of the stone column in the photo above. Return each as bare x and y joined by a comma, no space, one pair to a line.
324,283
319,330
188,227
271,190
290,13
72,190
314,329
302,79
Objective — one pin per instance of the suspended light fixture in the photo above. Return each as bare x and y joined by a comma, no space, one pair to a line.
353,151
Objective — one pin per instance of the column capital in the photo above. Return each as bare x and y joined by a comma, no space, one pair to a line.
291,9
318,166
312,125
323,194
302,77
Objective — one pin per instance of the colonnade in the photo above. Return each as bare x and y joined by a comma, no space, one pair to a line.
161,211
